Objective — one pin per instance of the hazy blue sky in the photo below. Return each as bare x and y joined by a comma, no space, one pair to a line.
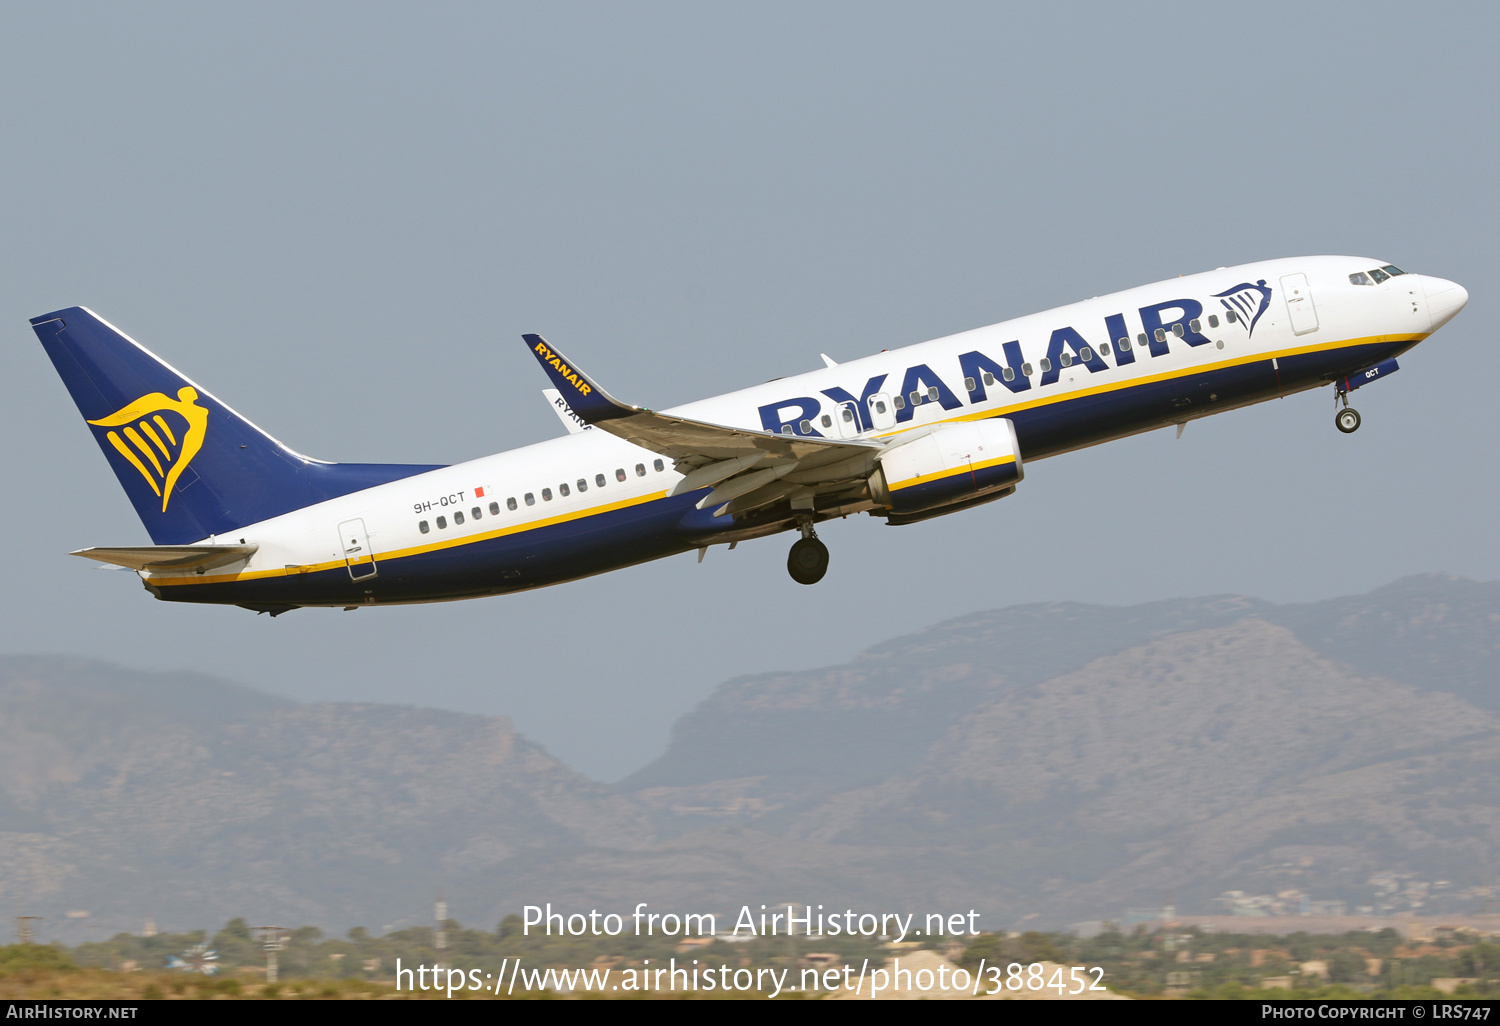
340,218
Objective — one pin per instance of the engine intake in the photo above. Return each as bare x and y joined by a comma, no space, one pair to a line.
956,465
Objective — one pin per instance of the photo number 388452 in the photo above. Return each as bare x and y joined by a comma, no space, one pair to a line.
1036,977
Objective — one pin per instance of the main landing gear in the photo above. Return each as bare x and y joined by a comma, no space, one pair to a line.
1346,420
808,560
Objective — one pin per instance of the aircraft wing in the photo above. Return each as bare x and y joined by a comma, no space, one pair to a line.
171,557
750,468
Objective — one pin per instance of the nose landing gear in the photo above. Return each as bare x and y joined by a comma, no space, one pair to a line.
1346,420
808,560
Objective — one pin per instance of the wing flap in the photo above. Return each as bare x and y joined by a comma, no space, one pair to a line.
170,557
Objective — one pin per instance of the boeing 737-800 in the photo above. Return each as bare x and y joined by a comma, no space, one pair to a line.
908,434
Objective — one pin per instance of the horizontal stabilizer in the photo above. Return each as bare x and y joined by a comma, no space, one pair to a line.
171,557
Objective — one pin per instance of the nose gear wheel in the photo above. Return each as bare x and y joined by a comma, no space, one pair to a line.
1346,420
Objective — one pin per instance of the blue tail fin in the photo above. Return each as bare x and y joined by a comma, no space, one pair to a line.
191,466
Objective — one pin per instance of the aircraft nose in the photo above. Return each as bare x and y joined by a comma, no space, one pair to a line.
1444,299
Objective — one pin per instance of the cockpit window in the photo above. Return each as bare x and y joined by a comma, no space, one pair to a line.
1392,270
1360,278
1379,276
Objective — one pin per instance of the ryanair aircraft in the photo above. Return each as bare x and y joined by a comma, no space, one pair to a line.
906,435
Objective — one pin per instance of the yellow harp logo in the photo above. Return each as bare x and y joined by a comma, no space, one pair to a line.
152,443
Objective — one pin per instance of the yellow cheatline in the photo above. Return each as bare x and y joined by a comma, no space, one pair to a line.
156,440
386,557
136,440
123,450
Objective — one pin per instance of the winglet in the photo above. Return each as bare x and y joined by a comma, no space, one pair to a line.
586,399
572,421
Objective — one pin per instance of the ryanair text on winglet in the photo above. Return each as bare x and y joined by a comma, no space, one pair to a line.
567,373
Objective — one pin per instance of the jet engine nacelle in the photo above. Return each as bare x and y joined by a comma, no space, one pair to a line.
948,469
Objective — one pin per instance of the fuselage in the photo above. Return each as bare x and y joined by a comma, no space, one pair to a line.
1070,377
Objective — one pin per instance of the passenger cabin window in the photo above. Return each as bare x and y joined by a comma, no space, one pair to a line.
1360,278
1213,320
598,480
659,465
1231,316
1026,369
879,406
1177,329
786,429
1008,373
562,490
806,427
916,398
848,414
827,421
989,379
442,523
619,473
458,518
530,500
1122,344
1379,275
474,513
1140,340
422,526
1085,354
1045,364
495,507
1195,324
1066,359
510,503
899,402
932,394
546,494
583,485
640,470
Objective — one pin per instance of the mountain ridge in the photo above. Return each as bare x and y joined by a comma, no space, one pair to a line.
1047,763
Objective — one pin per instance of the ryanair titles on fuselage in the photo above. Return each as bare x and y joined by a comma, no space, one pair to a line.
1158,321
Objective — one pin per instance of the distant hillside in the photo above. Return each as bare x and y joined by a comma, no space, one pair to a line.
1431,633
1044,763
190,800
1070,761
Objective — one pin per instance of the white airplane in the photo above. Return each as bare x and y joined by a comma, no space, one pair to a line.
908,434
